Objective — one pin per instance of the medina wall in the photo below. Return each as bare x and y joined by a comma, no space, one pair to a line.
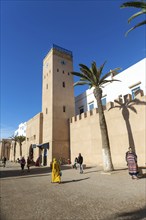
33,137
126,123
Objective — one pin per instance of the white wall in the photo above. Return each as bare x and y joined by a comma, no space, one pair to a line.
129,77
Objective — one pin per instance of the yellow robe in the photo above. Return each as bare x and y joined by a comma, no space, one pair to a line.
55,171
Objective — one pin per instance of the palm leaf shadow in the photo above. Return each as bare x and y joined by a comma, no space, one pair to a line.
125,106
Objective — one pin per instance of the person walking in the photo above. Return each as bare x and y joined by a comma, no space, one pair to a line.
22,163
80,162
28,163
75,163
131,159
4,161
56,173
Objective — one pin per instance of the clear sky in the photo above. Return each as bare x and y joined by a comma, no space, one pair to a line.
92,30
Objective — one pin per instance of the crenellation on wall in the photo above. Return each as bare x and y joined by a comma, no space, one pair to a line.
126,98
78,117
126,127
95,111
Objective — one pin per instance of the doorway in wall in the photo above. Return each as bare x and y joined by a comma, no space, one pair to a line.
43,152
31,153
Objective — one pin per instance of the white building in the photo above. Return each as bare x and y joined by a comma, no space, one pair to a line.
21,131
132,79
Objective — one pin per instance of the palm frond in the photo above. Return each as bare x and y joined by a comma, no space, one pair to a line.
109,81
137,4
87,72
99,72
81,75
81,83
136,15
85,68
138,25
101,67
95,72
114,71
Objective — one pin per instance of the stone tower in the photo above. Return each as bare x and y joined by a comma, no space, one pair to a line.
57,101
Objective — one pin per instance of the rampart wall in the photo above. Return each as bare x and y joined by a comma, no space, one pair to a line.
33,136
126,123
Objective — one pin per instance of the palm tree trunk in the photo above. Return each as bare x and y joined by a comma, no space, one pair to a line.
107,160
14,151
21,149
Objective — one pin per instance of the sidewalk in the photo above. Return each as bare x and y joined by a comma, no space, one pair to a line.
92,195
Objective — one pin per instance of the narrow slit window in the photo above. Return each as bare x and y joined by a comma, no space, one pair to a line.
47,86
64,108
46,111
63,84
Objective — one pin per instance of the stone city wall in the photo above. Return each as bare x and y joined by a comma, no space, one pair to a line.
125,119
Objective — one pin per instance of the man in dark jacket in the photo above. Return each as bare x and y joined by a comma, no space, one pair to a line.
80,161
4,161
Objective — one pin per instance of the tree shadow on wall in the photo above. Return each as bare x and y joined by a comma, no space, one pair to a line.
125,106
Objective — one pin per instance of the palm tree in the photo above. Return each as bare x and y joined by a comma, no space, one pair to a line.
14,138
93,77
136,4
20,139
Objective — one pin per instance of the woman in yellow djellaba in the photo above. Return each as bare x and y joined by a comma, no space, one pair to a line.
56,178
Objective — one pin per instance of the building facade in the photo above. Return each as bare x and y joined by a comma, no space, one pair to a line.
130,80
59,132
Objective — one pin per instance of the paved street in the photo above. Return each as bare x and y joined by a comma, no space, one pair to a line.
89,196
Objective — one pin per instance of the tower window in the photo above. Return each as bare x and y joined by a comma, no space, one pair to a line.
68,73
47,86
46,111
63,71
64,108
57,70
63,84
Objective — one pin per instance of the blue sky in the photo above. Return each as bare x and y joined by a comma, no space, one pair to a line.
92,30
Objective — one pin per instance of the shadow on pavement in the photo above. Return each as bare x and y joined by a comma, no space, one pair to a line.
94,171
69,181
13,173
142,176
138,214
120,169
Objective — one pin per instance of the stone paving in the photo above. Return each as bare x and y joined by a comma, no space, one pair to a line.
92,195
